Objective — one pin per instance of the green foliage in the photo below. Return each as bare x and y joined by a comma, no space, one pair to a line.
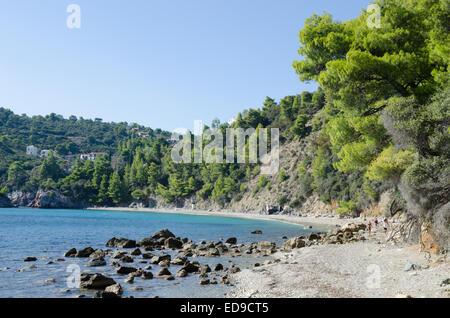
282,200
282,176
117,190
299,128
346,207
262,181
139,194
390,164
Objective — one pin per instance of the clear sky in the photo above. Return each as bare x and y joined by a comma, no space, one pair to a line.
161,63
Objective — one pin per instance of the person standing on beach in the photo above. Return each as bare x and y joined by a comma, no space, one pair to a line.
385,225
369,227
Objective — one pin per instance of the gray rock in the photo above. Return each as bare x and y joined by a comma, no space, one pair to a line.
231,240
121,243
182,273
85,252
124,270
116,289
257,232
173,243
136,252
147,275
30,259
164,233
294,243
164,272
411,267
104,294
96,262
95,281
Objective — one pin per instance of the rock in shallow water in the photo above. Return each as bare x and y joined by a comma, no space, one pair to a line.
95,281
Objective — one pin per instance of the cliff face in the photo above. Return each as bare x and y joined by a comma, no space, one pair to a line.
53,200
19,198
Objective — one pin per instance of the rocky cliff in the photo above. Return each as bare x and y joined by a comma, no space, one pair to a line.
53,200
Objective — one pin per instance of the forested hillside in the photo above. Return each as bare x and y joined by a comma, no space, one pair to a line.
380,120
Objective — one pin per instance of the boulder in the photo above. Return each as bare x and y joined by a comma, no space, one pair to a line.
148,255
179,261
121,243
85,252
104,294
293,243
257,232
147,275
159,258
173,243
127,259
164,272
164,233
313,236
182,273
136,252
147,242
95,281
124,270
98,254
118,254
30,259
71,253
219,267
205,269
231,240
190,267
116,289
96,262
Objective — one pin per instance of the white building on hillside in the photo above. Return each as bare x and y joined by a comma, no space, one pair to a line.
91,156
32,151
45,153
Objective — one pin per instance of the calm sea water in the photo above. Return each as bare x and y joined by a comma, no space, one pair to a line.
47,234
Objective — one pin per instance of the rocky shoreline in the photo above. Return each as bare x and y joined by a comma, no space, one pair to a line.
368,268
165,256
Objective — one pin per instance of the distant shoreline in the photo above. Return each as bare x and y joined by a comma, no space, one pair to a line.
322,223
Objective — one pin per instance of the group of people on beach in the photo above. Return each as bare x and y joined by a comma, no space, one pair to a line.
376,223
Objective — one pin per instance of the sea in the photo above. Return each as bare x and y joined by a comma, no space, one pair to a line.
47,234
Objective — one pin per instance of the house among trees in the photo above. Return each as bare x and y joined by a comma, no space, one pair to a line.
32,151
91,156
143,134
45,153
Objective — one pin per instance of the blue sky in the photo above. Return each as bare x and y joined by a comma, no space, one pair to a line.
162,64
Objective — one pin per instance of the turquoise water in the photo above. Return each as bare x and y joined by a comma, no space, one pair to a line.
47,234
